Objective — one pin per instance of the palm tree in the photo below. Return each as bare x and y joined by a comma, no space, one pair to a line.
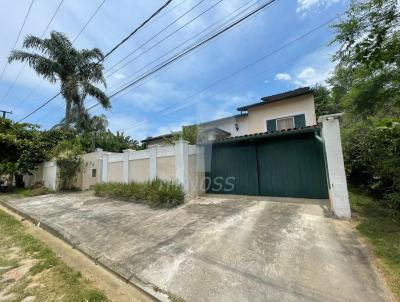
77,71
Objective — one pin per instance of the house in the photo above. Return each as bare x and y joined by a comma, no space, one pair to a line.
159,140
287,110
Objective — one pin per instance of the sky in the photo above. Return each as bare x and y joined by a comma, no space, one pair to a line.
262,56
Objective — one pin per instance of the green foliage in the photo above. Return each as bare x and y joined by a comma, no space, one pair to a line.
324,103
367,78
157,193
34,191
188,133
366,85
118,142
69,161
372,158
78,71
22,146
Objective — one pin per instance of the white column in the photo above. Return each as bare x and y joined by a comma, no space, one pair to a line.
153,161
104,168
338,194
182,164
99,171
125,167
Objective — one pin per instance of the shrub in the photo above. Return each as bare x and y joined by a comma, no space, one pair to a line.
372,157
69,160
156,193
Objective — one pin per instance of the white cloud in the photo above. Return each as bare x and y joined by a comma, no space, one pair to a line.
283,77
307,5
119,76
309,76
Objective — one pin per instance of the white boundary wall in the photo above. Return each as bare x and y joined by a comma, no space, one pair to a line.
46,173
180,162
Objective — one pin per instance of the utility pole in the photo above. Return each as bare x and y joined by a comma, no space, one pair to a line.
5,112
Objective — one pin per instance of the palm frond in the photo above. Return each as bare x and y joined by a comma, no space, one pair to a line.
91,54
42,65
98,94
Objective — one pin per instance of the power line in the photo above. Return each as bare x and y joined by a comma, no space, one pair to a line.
151,22
88,21
229,18
178,56
19,34
137,29
163,111
106,55
154,36
23,67
243,8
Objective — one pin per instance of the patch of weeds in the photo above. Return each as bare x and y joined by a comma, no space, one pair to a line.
157,193
49,278
26,192
382,227
172,297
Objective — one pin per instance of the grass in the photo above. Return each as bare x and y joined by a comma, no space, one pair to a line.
157,193
23,192
49,279
382,227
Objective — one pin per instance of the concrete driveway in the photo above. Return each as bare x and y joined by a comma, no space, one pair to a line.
219,248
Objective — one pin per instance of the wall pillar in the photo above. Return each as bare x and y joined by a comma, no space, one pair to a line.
99,172
153,162
125,166
338,194
182,164
104,168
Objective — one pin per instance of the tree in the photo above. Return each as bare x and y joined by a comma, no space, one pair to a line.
324,103
77,71
367,78
23,146
118,142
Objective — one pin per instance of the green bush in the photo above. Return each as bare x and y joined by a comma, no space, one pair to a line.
372,157
156,193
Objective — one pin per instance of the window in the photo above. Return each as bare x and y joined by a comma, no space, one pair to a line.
93,172
285,123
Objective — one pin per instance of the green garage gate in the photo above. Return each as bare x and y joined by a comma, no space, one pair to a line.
285,164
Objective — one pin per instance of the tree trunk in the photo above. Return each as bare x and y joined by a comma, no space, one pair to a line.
67,114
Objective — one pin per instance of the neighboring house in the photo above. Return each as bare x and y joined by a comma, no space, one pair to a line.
160,140
288,110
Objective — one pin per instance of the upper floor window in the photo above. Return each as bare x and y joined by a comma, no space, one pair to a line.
288,122
285,123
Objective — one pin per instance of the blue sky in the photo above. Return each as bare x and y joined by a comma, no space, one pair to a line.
175,96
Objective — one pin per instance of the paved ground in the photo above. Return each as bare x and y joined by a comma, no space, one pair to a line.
219,249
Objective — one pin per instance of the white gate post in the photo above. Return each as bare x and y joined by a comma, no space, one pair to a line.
182,164
338,194
104,168
153,161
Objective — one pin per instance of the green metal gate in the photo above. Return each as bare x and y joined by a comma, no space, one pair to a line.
286,166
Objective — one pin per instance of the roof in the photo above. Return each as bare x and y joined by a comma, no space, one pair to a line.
254,136
151,138
225,118
278,97
218,130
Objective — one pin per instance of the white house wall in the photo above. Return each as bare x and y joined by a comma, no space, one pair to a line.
259,115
